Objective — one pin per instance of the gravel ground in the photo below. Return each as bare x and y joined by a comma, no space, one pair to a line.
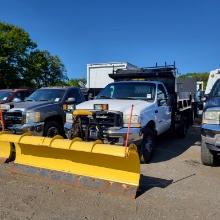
175,186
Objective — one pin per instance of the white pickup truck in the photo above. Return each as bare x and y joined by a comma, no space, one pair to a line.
153,103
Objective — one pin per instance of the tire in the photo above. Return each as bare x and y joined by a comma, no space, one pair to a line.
147,145
182,130
207,156
52,129
192,116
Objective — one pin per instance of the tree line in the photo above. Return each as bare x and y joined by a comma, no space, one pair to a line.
198,76
23,64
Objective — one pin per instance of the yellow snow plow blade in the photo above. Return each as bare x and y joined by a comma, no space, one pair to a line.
6,148
88,159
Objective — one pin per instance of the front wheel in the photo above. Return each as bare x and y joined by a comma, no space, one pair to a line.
207,157
52,129
147,145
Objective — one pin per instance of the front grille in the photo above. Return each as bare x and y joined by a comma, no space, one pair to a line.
109,119
12,118
104,119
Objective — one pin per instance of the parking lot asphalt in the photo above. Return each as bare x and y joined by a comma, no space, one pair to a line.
175,185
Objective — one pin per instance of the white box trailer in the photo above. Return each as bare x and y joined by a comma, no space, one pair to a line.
98,74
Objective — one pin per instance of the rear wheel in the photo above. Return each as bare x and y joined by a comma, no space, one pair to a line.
147,146
207,156
182,130
52,129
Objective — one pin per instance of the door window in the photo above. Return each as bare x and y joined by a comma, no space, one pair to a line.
161,95
74,93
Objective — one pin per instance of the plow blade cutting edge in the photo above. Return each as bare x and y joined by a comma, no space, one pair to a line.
99,162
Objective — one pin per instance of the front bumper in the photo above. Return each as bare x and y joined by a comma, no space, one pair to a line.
35,128
211,136
135,134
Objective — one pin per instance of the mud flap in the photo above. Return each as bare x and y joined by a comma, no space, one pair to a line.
94,160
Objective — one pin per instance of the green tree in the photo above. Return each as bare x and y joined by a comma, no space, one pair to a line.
44,69
198,76
75,82
22,64
15,45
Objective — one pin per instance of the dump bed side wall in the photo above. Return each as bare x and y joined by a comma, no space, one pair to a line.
186,88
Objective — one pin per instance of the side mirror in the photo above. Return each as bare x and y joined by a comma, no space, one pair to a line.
70,101
16,100
204,98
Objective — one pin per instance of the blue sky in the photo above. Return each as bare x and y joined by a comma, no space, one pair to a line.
141,32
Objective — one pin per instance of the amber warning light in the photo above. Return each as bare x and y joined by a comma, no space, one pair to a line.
101,107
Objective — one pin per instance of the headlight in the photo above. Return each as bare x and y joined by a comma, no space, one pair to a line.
135,120
69,118
32,117
211,117
4,107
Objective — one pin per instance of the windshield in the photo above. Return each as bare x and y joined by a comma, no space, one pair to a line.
216,90
52,95
4,95
128,90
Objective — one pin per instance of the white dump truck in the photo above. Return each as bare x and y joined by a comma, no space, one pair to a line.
137,107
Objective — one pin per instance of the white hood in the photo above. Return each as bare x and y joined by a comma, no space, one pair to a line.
121,105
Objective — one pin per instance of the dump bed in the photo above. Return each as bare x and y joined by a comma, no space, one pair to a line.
165,74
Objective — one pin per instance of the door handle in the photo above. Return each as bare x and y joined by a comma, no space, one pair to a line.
156,111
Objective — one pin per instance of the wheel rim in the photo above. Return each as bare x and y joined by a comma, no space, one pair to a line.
52,131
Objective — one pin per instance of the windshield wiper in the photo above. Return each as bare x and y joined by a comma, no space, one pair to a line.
104,97
43,100
130,98
29,100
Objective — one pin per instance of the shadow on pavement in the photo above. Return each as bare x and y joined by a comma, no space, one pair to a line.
148,182
169,146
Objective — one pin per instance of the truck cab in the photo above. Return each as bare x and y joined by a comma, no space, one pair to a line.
213,77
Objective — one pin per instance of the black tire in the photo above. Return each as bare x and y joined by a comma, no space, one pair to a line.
207,156
182,130
52,129
147,145
192,116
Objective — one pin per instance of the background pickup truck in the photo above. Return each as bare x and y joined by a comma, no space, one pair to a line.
43,112
210,149
157,108
13,95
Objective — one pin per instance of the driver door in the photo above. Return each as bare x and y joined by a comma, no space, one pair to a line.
163,112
